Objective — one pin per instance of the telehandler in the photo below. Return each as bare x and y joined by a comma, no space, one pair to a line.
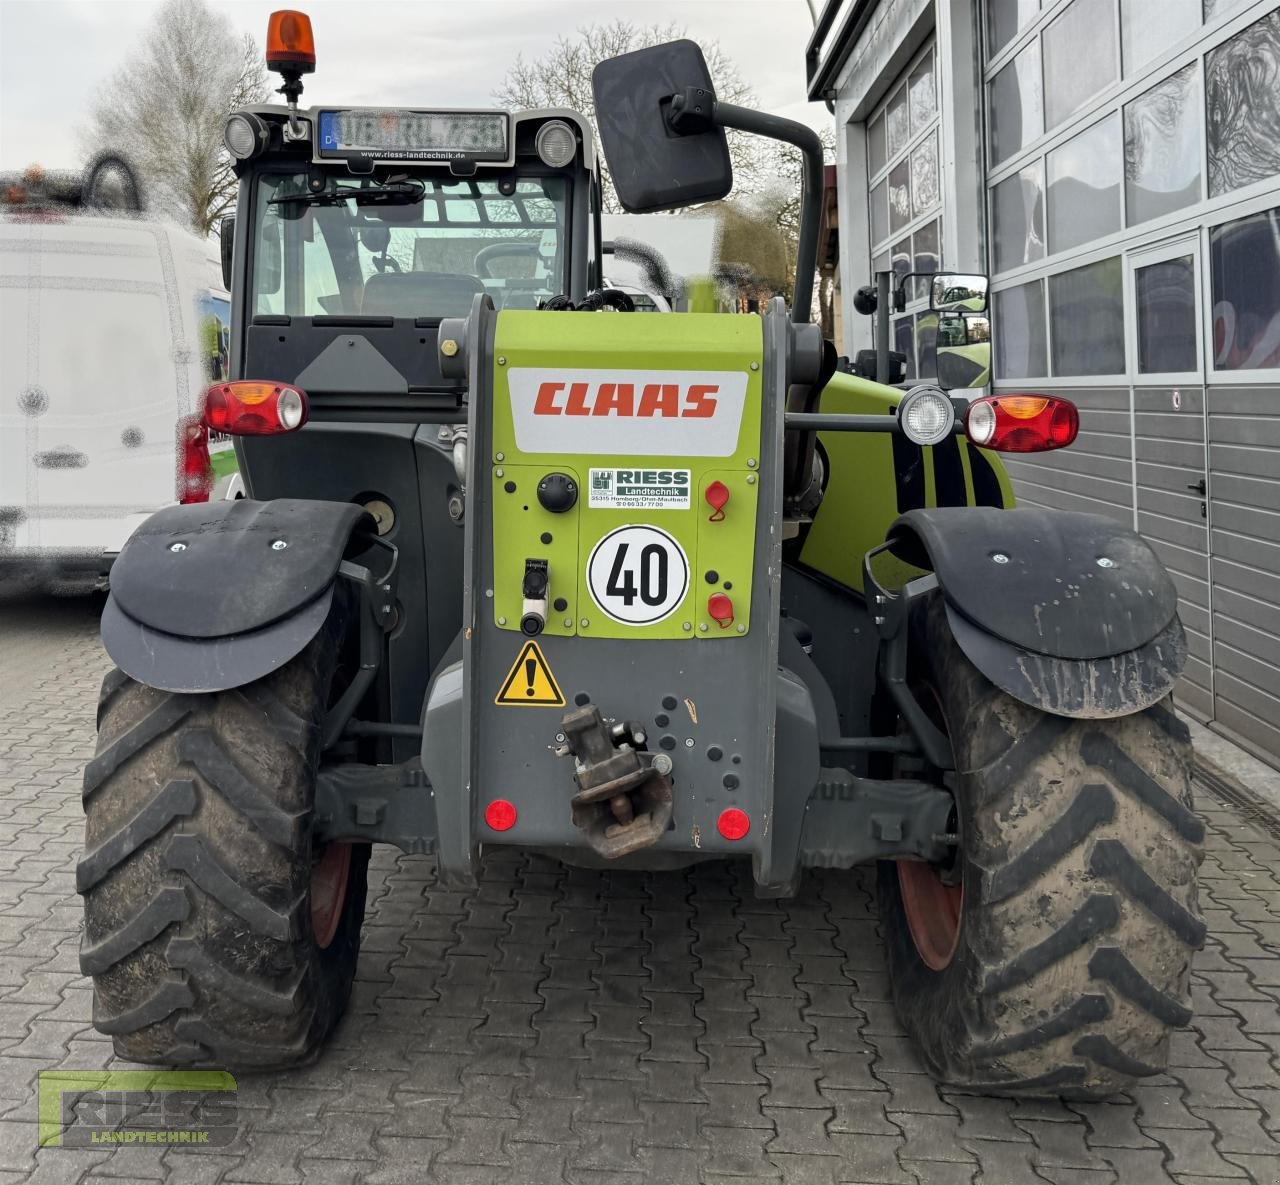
517,567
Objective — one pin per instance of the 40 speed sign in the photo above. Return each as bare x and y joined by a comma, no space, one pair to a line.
638,575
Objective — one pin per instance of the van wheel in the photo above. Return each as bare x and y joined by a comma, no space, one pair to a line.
1053,956
216,931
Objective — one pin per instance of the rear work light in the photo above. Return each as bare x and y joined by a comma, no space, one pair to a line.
253,408
1022,423
195,471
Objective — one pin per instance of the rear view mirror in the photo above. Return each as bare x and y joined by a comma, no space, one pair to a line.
964,350
958,292
652,167
226,245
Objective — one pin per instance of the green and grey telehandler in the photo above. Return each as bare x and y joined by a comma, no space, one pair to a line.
519,568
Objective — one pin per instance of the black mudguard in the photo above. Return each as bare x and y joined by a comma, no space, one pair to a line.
215,595
1071,613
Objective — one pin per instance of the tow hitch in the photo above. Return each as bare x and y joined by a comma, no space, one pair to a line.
624,794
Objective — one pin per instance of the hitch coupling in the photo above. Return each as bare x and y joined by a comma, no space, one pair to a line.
624,796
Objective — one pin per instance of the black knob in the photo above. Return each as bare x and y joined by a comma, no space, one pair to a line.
557,492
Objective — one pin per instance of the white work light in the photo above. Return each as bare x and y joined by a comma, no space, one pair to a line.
245,135
926,414
556,143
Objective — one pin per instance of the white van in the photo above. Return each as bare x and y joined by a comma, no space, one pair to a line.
110,329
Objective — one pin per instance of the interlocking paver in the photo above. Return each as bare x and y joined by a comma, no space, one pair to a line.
600,1028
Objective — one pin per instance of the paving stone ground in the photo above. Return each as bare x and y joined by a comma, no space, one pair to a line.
556,1025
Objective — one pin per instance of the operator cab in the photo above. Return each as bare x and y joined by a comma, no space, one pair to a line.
384,221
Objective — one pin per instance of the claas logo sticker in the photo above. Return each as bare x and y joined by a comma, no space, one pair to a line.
696,401
630,413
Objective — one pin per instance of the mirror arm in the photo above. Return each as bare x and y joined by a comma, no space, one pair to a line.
803,137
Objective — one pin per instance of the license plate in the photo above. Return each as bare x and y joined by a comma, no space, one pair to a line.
413,135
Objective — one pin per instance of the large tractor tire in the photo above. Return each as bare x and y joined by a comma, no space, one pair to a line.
216,932
1053,956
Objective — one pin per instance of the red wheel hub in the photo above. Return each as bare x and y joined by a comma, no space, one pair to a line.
933,911
329,891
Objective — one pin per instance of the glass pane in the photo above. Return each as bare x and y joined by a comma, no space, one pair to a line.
927,343
1004,19
1162,148
1149,27
1084,186
924,98
901,262
1242,97
1019,329
924,176
1079,57
904,342
1216,8
899,129
925,242
1244,261
900,195
880,213
1086,317
875,147
1017,117
1165,294
1017,212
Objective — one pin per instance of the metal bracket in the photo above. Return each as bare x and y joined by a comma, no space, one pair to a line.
890,613
376,803
377,618
849,820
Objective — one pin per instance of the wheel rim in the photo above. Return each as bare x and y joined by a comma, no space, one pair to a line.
329,877
933,910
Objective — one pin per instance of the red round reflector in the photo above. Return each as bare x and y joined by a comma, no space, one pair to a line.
733,823
720,609
500,815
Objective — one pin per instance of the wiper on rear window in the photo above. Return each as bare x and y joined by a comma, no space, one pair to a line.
398,191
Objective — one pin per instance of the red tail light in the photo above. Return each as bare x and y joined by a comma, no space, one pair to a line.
254,408
195,473
1022,423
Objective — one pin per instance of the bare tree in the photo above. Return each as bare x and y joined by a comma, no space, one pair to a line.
165,108
562,78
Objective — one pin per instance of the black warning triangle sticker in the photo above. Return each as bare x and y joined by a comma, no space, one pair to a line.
530,683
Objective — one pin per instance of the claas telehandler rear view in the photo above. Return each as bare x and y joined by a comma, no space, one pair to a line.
517,567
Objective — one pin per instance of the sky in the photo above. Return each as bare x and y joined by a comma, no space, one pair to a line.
55,53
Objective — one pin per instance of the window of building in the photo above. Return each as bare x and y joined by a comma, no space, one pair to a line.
904,189
875,146
1086,319
1016,109
1017,215
1165,302
1080,57
1242,102
1244,269
924,93
1162,148
1005,20
1149,27
1084,186
1021,341
899,121
926,253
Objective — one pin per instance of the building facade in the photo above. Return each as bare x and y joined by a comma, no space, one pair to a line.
1114,165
